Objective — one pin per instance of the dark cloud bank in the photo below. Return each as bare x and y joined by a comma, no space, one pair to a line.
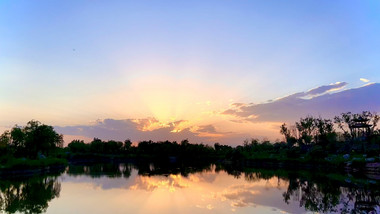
111,129
297,105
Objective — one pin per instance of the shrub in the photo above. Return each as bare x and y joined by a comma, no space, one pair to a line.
293,152
317,152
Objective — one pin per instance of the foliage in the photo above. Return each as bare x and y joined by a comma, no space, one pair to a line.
309,139
30,140
26,164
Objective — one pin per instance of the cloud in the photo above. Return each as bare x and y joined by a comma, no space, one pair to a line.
317,102
212,134
207,128
255,120
326,88
134,129
146,129
364,80
236,105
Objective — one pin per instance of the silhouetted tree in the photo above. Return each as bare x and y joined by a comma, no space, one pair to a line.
32,139
305,128
97,146
127,146
41,138
78,146
290,140
325,133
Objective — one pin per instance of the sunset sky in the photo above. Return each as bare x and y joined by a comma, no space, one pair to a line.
209,71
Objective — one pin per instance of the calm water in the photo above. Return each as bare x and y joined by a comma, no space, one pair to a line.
149,188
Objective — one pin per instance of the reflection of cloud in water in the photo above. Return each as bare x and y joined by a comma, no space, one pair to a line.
208,206
242,194
102,182
135,181
259,193
208,177
172,182
160,182
240,198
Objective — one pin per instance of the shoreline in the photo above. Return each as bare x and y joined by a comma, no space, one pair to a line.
369,170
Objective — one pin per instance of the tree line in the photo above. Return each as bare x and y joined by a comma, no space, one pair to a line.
338,135
310,137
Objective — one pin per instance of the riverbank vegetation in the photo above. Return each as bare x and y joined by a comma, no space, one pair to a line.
348,140
34,146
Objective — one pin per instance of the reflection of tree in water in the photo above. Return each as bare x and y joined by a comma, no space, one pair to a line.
316,197
28,196
362,199
325,195
234,170
316,192
144,168
166,169
99,170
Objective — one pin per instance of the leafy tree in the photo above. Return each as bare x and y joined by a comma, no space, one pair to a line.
97,146
305,128
32,139
127,145
325,134
17,138
40,138
113,147
290,140
5,140
78,146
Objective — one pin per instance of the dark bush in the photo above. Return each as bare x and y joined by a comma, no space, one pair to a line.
293,152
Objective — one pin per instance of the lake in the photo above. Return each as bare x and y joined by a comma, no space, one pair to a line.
174,188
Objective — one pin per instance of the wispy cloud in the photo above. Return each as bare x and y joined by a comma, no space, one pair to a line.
325,89
364,80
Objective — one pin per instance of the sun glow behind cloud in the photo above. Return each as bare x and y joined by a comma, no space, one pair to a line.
216,121
169,99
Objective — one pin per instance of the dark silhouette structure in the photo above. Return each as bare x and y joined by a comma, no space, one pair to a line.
360,127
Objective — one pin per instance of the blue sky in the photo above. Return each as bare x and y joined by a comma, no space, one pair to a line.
72,62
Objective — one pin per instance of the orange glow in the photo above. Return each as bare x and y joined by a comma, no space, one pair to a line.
150,124
170,183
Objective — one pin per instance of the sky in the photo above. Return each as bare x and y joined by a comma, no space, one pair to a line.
202,70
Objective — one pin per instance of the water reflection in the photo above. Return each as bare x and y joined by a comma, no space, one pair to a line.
318,194
173,188
28,195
